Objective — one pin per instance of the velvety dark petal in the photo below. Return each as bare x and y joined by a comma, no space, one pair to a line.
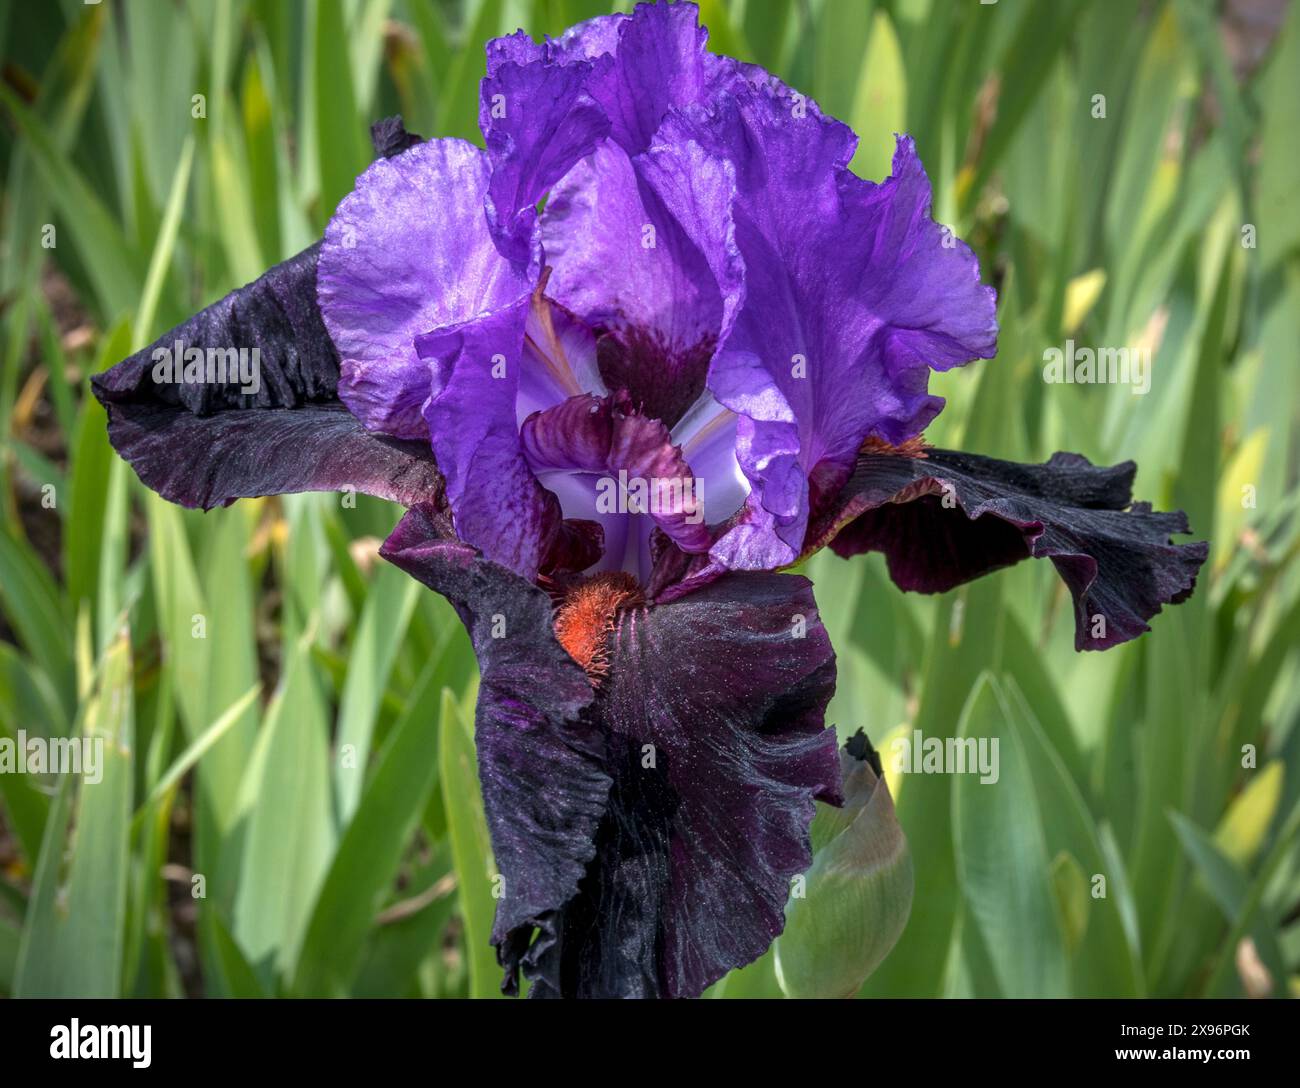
408,250
945,518
263,422
714,708
541,769
207,461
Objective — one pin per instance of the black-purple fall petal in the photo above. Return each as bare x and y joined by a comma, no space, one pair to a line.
542,770
241,400
713,714
944,518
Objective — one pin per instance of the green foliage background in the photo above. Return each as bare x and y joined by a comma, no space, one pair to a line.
307,763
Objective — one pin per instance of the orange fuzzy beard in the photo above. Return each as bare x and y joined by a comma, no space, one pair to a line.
585,619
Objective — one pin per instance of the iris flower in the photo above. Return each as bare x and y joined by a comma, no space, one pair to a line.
651,347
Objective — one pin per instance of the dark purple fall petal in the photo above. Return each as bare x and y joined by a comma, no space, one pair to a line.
205,444
542,770
714,717
207,461
948,517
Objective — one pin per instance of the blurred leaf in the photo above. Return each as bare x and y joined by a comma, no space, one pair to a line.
372,845
471,850
96,236
290,835
1002,860
880,105
72,940
341,140
374,646
1244,827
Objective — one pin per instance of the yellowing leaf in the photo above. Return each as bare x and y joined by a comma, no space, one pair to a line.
1081,294
880,106
1241,832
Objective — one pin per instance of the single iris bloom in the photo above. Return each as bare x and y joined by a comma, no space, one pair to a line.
614,421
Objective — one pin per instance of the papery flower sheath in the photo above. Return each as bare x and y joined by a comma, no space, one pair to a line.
614,421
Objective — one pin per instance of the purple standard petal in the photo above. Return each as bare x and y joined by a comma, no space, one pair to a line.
944,518
544,107
542,771
660,63
852,294
408,250
240,400
537,120
713,707
643,250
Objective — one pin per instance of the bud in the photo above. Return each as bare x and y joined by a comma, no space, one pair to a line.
858,893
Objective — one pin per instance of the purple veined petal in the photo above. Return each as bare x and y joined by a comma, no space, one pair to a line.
583,41
559,358
407,251
496,501
624,538
542,108
714,709
660,63
261,414
945,518
852,294
537,120
633,474
542,770
643,249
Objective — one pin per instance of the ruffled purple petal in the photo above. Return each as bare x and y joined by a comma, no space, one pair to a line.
660,63
852,294
408,250
206,443
538,120
604,439
544,107
643,250
498,505
714,713
582,41
947,517
542,770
